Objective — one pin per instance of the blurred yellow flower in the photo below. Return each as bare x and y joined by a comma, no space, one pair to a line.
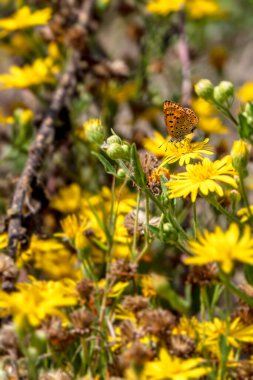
223,247
33,302
202,178
41,71
195,9
156,144
24,18
3,240
169,367
68,199
208,121
74,231
185,151
51,257
6,119
187,326
148,282
244,214
245,92
212,331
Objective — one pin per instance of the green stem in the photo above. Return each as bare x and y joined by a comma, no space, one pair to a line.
229,285
144,249
136,223
244,193
232,218
195,222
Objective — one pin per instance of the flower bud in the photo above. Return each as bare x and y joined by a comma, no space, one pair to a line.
115,151
235,197
94,131
126,149
121,173
240,155
204,89
114,139
223,91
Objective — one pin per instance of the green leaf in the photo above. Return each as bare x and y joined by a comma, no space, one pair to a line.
109,168
178,303
139,176
245,129
248,272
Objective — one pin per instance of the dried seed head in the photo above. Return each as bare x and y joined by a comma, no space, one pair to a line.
129,332
244,371
81,320
135,303
137,354
129,222
55,375
203,274
8,341
148,162
245,313
8,270
157,322
58,336
123,270
182,346
85,288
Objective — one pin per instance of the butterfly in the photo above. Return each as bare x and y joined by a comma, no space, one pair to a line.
180,121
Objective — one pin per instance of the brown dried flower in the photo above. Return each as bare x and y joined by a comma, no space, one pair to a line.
157,322
123,269
85,288
203,274
8,341
8,270
148,162
55,375
138,354
81,320
135,303
58,336
182,346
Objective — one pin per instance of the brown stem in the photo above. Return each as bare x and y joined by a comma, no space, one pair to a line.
184,56
44,139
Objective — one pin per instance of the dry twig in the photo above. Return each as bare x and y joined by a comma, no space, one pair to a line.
44,139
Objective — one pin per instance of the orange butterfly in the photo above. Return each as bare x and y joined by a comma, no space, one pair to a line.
180,121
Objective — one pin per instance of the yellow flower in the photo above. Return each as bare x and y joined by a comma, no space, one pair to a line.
68,200
187,326
164,7
6,119
185,151
223,247
208,121
156,145
202,177
41,71
195,9
116,290
35,301
74,230
237,332
24,18
244,214
245,92
168,367
240,154
3,240
51,257
203,8
148,285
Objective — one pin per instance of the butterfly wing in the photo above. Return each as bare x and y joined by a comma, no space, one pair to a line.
170,116
180,121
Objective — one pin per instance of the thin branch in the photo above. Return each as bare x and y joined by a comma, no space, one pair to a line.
44,139
184,55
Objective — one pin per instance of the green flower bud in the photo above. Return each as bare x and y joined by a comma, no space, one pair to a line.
121,173
126,149
115,151
94,131
223,91
114,139
235,197
204,89
240,155
32,352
